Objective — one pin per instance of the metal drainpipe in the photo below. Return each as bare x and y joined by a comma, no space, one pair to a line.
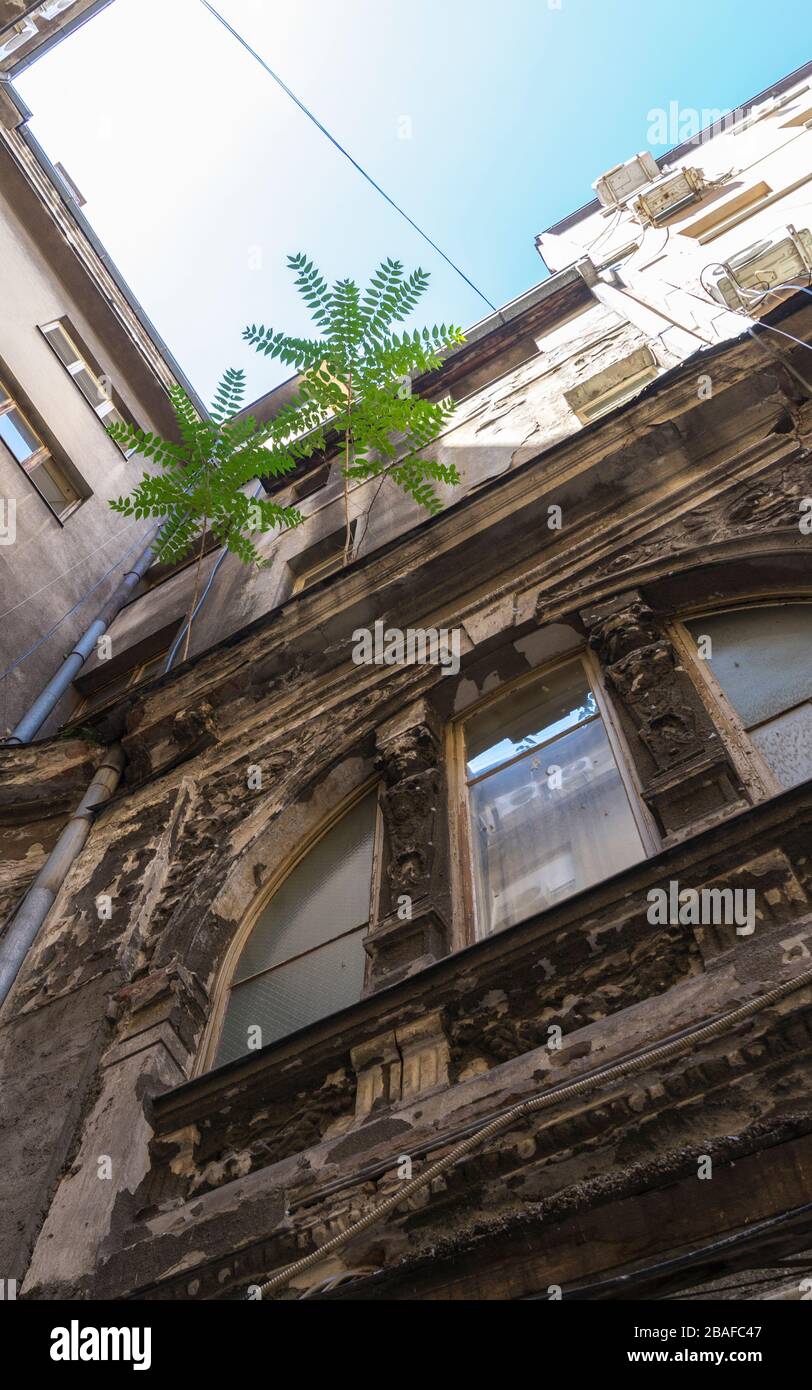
24,927
33,720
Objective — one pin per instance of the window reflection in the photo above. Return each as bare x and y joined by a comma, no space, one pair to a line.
548,808
762,659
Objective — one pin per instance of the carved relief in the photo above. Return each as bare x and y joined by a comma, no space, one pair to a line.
409,763
767,504
617,631
163,745
659,705
648,682
194,1160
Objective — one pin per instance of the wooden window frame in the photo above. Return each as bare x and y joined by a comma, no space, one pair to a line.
225,975
756,774
85,361
466,924
48,452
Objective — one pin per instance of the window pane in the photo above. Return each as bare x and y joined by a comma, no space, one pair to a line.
54,486
62,345
536,713
761,657
786,743
89,387
541,834
623,392
18,435
325,895
294,995
111,416
318,571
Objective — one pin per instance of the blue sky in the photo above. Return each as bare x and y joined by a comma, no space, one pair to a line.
201,176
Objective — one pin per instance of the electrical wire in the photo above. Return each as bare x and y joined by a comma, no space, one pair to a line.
776,356
780,331
70,612
142,541
627,265
803,288
188,622
782,334
758,294
69,570
354,162
605,231
661,1052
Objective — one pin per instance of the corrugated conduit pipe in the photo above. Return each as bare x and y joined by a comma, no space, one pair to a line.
652,1056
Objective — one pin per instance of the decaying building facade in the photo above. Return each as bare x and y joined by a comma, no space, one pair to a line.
340,915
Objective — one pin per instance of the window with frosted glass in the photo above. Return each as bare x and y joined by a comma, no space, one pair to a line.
549,810
305,957
762,659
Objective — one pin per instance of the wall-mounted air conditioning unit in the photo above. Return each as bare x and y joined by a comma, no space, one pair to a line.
19,35
617,185
668,194
776,260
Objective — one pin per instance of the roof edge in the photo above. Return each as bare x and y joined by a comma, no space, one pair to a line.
676,151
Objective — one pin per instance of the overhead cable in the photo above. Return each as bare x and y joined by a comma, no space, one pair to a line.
666,1050
70,612
341,149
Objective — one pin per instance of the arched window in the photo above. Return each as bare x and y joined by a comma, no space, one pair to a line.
762,659
305,958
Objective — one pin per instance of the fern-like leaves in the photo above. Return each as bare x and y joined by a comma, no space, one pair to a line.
356,379
201,481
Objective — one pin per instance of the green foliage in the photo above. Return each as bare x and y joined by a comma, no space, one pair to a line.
356,379
354,387
201,484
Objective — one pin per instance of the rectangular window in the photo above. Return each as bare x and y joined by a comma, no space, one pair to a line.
726,211
310,483
99,695
320,560
801,118
319,570
548,809
88,377
613,386
762,659
25,446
